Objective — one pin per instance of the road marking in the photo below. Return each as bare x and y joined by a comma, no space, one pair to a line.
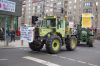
90,64
40,61
3,59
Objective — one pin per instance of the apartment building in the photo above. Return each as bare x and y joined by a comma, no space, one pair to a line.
72,8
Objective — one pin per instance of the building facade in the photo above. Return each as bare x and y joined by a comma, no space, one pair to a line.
71,8
98,13
9,14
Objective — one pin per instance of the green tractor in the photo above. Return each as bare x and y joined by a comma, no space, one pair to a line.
54,32
85,32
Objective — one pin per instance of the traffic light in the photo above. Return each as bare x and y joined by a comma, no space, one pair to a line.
34,19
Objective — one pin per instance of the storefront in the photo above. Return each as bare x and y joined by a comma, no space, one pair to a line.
10,10
9,23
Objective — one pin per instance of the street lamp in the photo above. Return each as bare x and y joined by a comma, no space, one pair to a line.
96,15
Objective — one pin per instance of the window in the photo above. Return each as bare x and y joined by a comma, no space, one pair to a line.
88,10
75,7
75,1
60,24
49,23
91,4
70,2
88,4
97,3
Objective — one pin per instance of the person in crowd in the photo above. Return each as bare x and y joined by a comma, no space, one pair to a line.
18,32
1,34
12,34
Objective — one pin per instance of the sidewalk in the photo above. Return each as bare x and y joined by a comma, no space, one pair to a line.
13,44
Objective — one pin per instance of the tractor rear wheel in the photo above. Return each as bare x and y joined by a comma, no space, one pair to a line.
35,45
71,43
53,44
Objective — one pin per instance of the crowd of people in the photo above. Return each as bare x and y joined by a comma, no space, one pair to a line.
9,33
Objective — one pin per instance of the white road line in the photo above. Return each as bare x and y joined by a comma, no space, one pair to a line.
81,62
90,64
3,59
40,61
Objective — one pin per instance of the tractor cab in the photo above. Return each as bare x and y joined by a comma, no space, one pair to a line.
50,22
48,25
55,24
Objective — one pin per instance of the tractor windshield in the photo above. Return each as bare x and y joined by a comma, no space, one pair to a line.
49,23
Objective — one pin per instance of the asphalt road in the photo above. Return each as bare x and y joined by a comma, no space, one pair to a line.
82,56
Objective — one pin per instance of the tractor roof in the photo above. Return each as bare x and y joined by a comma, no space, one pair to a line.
50,17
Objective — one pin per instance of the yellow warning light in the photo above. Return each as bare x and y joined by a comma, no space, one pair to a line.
44,17
55,17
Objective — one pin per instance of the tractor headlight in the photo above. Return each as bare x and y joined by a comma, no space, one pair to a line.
44,17
55,17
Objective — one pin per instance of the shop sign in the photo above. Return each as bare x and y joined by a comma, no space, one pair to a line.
6,5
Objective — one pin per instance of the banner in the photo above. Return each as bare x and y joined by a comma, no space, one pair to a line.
86,22
27,33
6,5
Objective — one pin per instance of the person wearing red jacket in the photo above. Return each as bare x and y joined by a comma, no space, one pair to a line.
18,32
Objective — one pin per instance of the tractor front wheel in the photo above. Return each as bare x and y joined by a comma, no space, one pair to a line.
36,45
53,44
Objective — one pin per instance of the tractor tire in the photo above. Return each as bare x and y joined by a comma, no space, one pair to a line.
78,42
36,45
71,43
53,44
90,42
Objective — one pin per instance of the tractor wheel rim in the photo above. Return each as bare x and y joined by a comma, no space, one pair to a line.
73,43
56,45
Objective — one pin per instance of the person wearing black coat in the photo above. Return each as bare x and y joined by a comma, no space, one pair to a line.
12,34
